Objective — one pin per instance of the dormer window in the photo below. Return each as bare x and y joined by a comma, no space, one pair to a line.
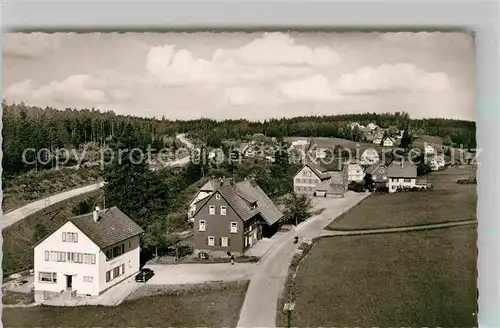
217,196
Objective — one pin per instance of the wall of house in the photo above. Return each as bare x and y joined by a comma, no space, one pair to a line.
380,175
305,181
218,226
130,259
396,182
61,269
355,173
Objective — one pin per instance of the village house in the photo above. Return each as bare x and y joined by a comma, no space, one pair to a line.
369,156
436,162
403,175
321,179
232,219
428,149
378,171
377,139
372,126
355,172
389,142
87,255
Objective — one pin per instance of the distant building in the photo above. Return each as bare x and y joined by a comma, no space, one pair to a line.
232,219
355,172
206,190
377,139
314,179
402,174
372,126
428,149
87,255
369,156
389,142
378,172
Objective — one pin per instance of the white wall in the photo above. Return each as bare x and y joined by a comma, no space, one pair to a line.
200,196
355,173
79,270
394,183
131,259
305,181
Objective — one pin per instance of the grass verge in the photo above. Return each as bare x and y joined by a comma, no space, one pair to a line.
424,279
216,305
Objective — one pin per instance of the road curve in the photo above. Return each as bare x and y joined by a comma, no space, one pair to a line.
22,212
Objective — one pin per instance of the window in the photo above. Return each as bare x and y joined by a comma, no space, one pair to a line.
46,255
407,180
123,248
224,241
234,227
211,241
64,236
223,210
109,254
123,268
92,259
202,226
217,196
117,251
47,277
211,210
53,256
116,272
70,237
88,279
394,180
108,276
129,244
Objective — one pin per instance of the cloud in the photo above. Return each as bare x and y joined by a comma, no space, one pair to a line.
74,88
314,88
271,56
30,45
388,77
279,49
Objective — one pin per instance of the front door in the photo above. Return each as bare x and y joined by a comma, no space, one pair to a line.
69,282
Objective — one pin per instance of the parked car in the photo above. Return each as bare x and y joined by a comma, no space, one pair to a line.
144,275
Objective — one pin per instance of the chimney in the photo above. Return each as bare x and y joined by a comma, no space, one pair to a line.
96,214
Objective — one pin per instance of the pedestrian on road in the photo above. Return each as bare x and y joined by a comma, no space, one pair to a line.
232,260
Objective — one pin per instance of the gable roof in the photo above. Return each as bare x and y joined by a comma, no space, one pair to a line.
268,210
112,227
240,198
407,170
372,168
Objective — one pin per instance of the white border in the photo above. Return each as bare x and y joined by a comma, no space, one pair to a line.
481,17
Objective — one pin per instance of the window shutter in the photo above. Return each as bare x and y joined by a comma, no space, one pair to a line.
228,243
64,236
76,237
46,255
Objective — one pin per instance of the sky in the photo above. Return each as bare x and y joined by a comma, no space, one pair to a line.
254,75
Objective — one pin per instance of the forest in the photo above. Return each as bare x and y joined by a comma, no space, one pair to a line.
47,128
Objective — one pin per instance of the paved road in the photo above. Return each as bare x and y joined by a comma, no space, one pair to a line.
180,274
266,285
182,138
20,213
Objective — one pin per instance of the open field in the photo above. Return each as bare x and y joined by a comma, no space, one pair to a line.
19,238
417,279
34,185
448,202
218,306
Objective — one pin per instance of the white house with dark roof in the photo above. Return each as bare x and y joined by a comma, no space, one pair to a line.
401,175
87,255
369,156
206,190
321,179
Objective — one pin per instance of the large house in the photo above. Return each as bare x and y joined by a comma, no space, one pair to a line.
370,156
355,172
401,175
321,179
378,172
87,255
232,219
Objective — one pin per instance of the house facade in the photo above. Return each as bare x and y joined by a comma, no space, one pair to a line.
321,180
369,156
355,172
389,142
428,149
87,255
400,175
233,219
206,190
378,172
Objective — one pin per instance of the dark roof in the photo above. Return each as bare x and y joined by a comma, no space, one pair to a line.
112,227
406,170
372,168
240,198
265,205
